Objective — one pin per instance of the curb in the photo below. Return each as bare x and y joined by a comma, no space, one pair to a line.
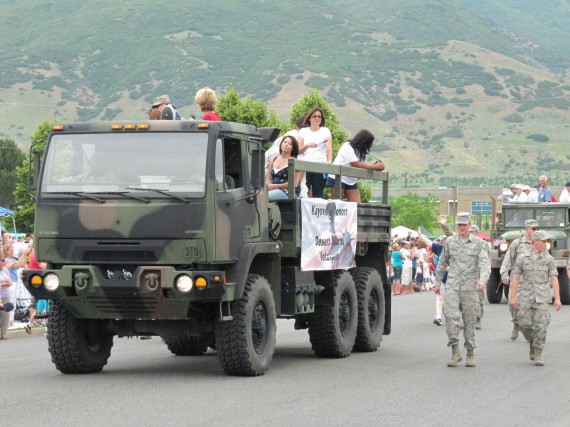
21,332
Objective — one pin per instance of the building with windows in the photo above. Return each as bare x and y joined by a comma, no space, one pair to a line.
478,201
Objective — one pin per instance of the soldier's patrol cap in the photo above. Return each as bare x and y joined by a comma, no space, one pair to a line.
474,228
531,223
159,100
463,218
540,235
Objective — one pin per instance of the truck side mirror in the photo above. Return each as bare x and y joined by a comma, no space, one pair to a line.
35,173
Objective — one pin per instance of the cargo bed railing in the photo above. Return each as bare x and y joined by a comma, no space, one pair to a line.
295,166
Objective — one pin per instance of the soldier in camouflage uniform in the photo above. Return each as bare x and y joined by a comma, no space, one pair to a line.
518,247
481,310
469,270
531,296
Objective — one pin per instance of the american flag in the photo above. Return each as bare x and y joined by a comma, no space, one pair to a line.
499,241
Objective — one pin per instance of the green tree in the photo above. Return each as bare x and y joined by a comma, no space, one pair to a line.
253,112
315,99
412,211
11,157
25,206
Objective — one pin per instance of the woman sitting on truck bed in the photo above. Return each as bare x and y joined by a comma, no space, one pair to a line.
277,173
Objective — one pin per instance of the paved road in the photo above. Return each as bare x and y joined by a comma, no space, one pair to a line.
405,383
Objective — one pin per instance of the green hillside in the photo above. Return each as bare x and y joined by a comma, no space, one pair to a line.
457,92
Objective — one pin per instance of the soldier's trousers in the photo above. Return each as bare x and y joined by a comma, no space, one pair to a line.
533,320
481,309
461,304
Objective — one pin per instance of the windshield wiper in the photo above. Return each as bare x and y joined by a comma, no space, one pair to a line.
158,190
123,193
78,194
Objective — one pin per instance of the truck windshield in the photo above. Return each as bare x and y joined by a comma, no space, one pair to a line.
546,215
104,163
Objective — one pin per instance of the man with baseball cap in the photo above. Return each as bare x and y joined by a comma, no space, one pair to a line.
531,296
167,110
469,271
520,195
531,197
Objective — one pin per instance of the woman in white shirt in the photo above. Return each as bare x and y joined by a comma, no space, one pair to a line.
315,145
354,153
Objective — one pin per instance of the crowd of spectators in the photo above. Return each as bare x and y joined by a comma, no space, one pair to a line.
15,255
412,264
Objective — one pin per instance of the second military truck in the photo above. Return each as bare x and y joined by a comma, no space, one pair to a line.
552,218
163,228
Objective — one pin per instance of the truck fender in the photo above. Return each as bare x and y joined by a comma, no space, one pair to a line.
255,258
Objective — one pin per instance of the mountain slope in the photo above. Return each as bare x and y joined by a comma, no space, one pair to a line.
436,81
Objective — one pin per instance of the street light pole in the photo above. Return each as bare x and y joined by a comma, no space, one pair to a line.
455,201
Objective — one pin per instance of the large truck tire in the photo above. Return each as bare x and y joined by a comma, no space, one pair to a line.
246,343
332,328
371,308
564,285
189,346
494,287
77,346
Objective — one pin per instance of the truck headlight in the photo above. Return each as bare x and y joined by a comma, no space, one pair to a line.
184,283
503,247
51,282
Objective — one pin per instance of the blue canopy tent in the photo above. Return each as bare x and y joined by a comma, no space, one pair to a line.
8,213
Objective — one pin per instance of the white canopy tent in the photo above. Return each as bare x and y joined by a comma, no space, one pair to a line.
402,232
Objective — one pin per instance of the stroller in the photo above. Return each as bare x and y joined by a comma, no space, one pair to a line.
22,310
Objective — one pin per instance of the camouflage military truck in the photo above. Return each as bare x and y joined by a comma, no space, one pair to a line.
164,228
551,217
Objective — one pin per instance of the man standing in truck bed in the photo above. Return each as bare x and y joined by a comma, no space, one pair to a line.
469,271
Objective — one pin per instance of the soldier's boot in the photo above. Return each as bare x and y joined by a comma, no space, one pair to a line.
531,353
515,333
538,360
455,356
470,359
478,324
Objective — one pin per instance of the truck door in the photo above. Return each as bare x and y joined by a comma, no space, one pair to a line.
237,219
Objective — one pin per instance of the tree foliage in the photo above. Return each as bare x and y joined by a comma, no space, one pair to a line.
11,157
25,206
249,111
412,211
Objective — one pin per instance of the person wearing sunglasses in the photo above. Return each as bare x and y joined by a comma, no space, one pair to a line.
518,247
315,145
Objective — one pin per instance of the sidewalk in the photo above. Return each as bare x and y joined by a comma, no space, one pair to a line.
17,330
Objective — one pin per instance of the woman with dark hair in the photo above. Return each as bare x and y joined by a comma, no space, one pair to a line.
354,153
277,180
273,151
315,144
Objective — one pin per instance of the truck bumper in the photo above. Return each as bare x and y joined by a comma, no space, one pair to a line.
148,293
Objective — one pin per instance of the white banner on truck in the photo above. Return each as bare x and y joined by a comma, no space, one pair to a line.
328,240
